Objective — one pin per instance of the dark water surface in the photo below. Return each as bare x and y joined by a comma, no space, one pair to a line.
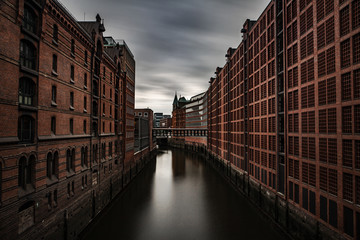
180,197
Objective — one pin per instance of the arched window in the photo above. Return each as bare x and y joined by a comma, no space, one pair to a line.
55,33
86,156
86,57
30,180
26,91
52,162
55,164
73,47
73,160
82,156
30,20
26,129
26,172
95,150
27,54
49,161
68,160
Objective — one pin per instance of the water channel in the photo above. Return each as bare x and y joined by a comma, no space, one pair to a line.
178,196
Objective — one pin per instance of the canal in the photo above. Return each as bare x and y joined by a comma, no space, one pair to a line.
178,196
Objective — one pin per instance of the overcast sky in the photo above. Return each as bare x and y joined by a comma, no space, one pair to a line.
177,44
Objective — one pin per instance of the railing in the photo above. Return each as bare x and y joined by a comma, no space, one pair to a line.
180,132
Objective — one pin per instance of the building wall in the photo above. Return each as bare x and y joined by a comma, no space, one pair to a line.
196,114
89,158
285,108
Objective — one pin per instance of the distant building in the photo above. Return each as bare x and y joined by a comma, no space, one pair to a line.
166,122
178,113
158,117
143,129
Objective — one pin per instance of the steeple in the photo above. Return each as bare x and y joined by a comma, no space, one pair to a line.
175,102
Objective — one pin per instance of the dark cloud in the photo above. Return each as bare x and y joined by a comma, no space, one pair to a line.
177,44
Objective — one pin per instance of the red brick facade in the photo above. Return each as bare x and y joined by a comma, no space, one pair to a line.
66,111
285,108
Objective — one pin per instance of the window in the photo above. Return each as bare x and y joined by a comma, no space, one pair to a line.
73,47
26,173
54,64
110,94
55,34
110,111
72,74
53,95
84,126
71,126
86,57
72,100
110,149
103,109
26,91
26,129
82,157
30,20
104,90
85,104
27,55
53,125
70,160
355,6
85,80
52,164
103,127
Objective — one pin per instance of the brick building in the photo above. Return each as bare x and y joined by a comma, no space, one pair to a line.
67,135
166,122
178,113
285,108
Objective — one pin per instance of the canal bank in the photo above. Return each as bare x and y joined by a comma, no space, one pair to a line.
294,222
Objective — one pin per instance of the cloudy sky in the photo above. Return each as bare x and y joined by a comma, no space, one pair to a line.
177,43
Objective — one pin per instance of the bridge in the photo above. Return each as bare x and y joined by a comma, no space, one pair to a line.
179,132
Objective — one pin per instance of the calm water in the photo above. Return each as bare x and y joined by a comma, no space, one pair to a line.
179,197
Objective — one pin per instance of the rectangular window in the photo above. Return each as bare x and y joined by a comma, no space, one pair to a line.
356,82
344,21
356,48
323,208
72,73
330,31
345,53
54,64
348,221
72,99
84,126
346,86
53,94
71,126
85,80
305,199
85,103
355,6
347,119
348,186
53,125
333,218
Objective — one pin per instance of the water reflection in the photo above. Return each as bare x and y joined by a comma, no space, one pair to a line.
179,197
